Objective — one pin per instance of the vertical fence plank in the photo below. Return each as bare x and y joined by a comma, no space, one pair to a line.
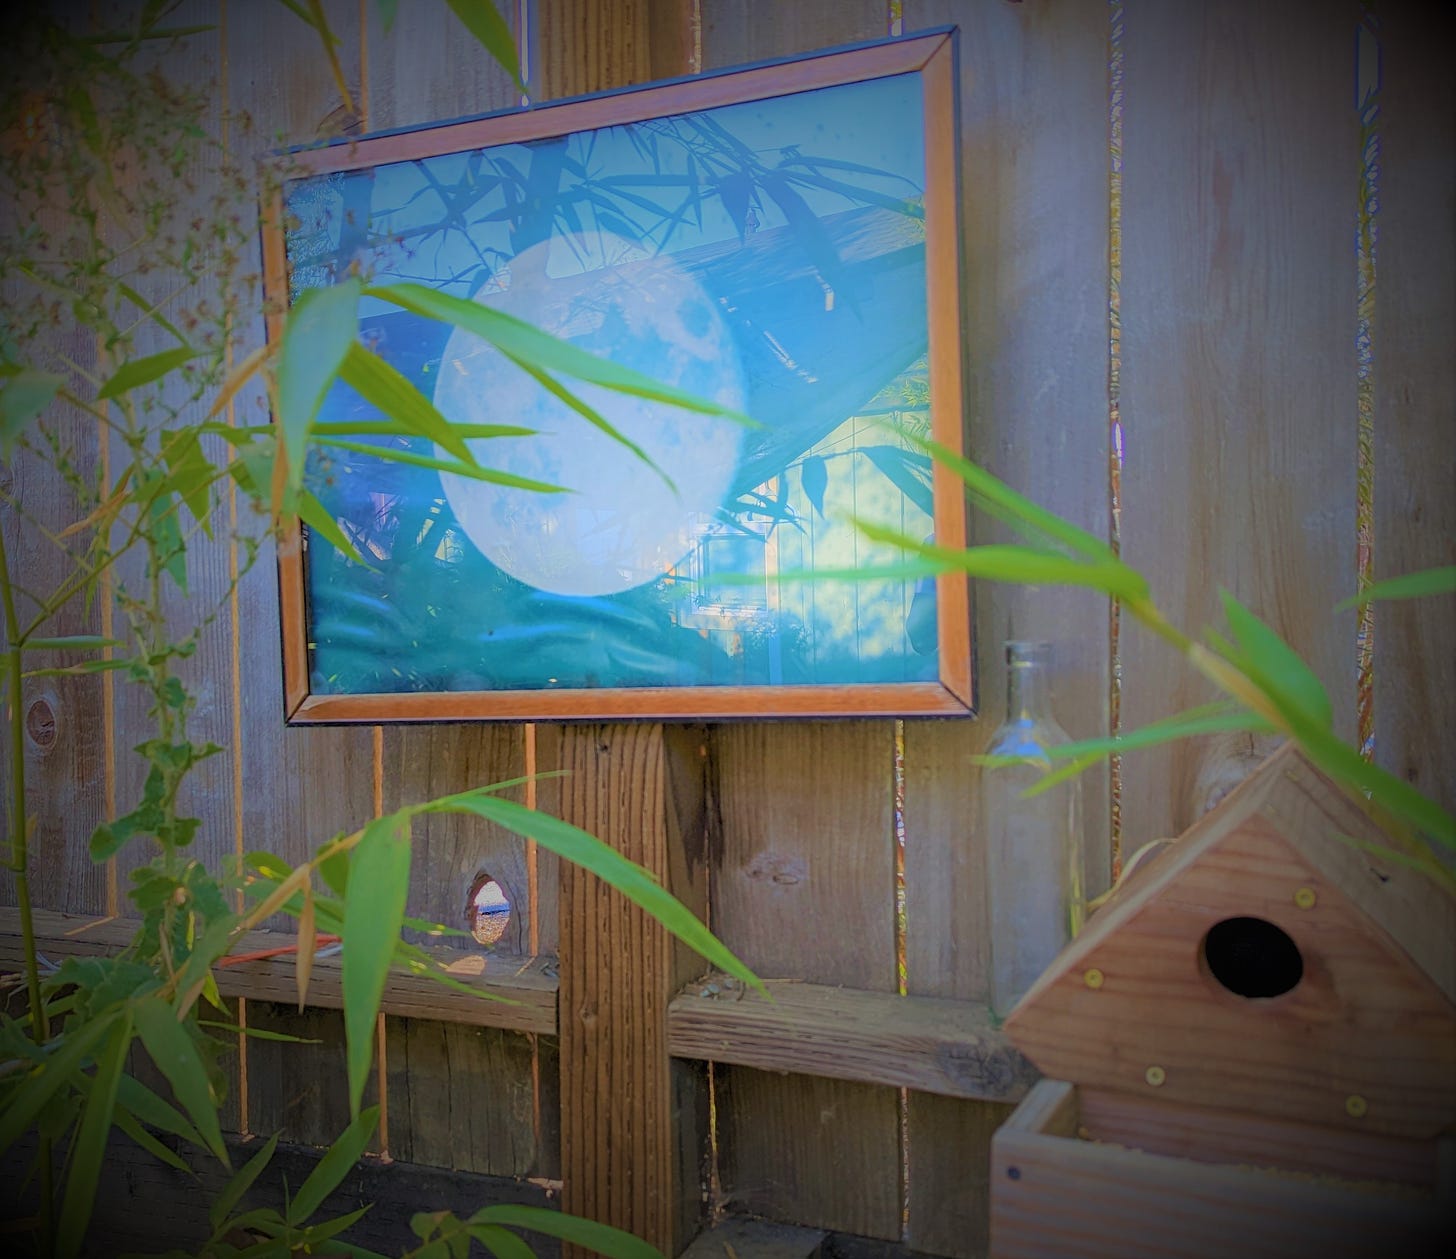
633,1124
298,786
803,886
1415,396
458,1097
192,65
632,1135
1240,168
1033,143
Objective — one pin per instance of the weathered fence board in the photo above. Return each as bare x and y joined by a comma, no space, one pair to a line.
1240,169
1035,212
1415,395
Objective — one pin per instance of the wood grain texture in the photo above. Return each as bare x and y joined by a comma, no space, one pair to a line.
1034,210
1415,397
300,786
299,1089
530,990
628,1139
803,888
1219,1136
582,46
1241,161
944,1047
1124,1203
1363,1040
460,1097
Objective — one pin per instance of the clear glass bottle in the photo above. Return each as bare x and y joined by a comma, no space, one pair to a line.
1034,887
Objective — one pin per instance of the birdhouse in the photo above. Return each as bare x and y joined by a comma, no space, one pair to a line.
1250,1050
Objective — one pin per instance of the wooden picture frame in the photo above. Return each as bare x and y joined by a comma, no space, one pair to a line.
782,239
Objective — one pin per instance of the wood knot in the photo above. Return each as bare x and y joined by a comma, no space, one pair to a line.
775,868
40,723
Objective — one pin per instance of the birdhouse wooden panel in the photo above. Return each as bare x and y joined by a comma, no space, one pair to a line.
1268,963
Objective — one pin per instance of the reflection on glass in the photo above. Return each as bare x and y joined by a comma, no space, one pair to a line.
767,255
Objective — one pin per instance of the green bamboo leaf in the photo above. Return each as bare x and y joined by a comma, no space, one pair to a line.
1082,754
1392,793
163,1153
241,1181
373,914
388,11
1429,581
501,1242
24,396
602,1238
143,371
338,1161
259,1033
390,390
587,851
483,20
393,428
70,642
150,310
591,415
89,1151
1276,667
1001,501
42,1082
190,474
523,342
316,516
321,326
1023,565
472,470
85,666
154,1112
175,1053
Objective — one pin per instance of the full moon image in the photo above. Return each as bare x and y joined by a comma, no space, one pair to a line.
621,524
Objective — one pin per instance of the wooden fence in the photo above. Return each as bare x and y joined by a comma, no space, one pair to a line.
1173,340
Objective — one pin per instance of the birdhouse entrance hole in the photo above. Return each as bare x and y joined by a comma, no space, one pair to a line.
1252,957
489,910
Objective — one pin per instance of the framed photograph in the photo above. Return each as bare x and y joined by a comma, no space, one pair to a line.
780,241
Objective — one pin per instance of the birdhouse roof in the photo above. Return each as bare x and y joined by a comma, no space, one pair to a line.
1271,961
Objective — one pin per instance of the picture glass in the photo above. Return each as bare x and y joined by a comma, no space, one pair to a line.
769,256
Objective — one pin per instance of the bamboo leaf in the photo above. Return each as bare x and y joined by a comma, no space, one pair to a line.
190,474
237,378
175,1053
391,391
154,1112
151,310
1276,666
629,878
373,914
602,1238
472,470
521,341
338,1160
307,942
241,1181
70,642
25,1104
501,1242
165,1154
24,396
483,20
143,371
1429,581
393,428
321,326
1001,501
316,516
89,1151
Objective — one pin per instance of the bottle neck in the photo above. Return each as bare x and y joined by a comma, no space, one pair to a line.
1026,691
